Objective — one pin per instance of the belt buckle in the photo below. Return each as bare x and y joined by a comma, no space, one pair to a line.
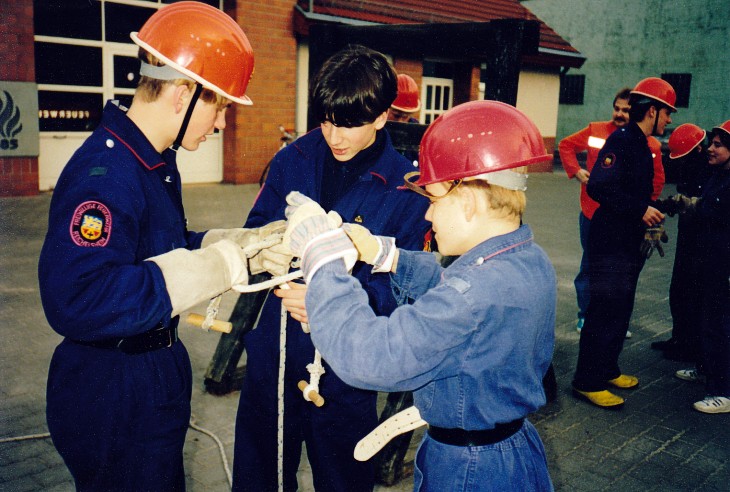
169,338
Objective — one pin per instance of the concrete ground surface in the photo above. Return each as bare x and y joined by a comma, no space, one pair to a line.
656,443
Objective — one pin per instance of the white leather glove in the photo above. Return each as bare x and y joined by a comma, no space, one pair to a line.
195,276
244,237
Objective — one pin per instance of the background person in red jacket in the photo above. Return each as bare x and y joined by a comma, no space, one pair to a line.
590,140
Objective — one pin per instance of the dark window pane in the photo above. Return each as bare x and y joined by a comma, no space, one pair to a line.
124,19
80,19
447,92
66,64
429,98
572,89
681,83
124,99
68,111
126,71
437,98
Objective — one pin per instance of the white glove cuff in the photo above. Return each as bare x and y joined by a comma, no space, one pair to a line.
387,252
327,247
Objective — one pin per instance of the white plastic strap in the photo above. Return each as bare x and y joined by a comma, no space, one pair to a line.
400,423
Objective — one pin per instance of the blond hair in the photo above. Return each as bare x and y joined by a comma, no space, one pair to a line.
503,202
149,89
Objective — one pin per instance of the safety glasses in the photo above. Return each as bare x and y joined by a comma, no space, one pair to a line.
422,191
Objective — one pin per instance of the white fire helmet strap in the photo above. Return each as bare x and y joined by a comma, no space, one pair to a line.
505,178
164,72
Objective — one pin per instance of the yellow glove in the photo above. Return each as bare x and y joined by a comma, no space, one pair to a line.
378,251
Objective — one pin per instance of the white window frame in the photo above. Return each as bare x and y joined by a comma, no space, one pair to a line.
437,86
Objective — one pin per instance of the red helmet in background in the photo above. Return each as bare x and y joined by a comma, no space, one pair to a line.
684,139
407,99
202,43
476,138
657,89
725,127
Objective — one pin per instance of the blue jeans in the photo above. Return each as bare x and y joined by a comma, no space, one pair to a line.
581,280
517,463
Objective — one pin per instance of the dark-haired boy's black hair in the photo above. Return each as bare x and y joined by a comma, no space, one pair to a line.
724,137
640,104
353,87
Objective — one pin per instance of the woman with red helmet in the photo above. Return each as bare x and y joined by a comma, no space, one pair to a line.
473,340
118,264
711,211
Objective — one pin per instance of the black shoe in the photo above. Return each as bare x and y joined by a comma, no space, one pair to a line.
678,355
664,344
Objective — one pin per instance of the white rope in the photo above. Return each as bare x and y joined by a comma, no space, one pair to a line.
221,449
280,395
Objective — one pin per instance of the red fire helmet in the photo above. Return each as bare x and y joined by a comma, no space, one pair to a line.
478,137
202,43
407,99
657,89
684,139
725,127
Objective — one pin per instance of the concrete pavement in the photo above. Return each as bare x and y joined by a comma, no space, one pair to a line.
656,443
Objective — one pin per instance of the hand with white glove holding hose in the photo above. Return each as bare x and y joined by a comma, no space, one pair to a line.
272,257
315,236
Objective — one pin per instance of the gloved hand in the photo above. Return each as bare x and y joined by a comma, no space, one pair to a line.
678,204
315,236
244,237
195,276
653,237
275,259
378,251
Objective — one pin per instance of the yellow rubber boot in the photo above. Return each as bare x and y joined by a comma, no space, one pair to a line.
625,381
604,399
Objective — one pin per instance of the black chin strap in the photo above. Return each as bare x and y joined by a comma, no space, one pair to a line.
183,128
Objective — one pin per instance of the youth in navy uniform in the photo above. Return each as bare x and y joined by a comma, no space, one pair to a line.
685,289
712,211
621,182
117,266
348,165
473,340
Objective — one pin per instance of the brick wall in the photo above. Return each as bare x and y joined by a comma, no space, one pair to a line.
18,175
252,135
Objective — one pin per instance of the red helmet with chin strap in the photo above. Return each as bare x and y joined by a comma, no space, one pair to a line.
204,44
657,89
684,139
476,138
407,99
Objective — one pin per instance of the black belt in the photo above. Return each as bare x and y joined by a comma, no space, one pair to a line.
154,339
461,437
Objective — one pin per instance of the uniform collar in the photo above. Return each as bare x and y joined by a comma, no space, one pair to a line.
115,121
493,247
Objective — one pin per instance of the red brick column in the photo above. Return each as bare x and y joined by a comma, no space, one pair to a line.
252,132
18,175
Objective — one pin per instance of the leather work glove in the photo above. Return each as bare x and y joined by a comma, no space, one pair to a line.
653,237
195,276
678,204
315,236
275,259
244,237
378,251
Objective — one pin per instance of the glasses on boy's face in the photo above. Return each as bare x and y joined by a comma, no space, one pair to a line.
422,191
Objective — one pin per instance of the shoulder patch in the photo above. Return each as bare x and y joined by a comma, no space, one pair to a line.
91,225
608,160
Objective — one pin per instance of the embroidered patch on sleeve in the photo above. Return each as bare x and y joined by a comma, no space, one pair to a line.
608,160
91,225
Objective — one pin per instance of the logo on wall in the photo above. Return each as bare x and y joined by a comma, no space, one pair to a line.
10,125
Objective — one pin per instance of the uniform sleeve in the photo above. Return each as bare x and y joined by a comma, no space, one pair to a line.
401,352
607,186
91,285
569,147
659,177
